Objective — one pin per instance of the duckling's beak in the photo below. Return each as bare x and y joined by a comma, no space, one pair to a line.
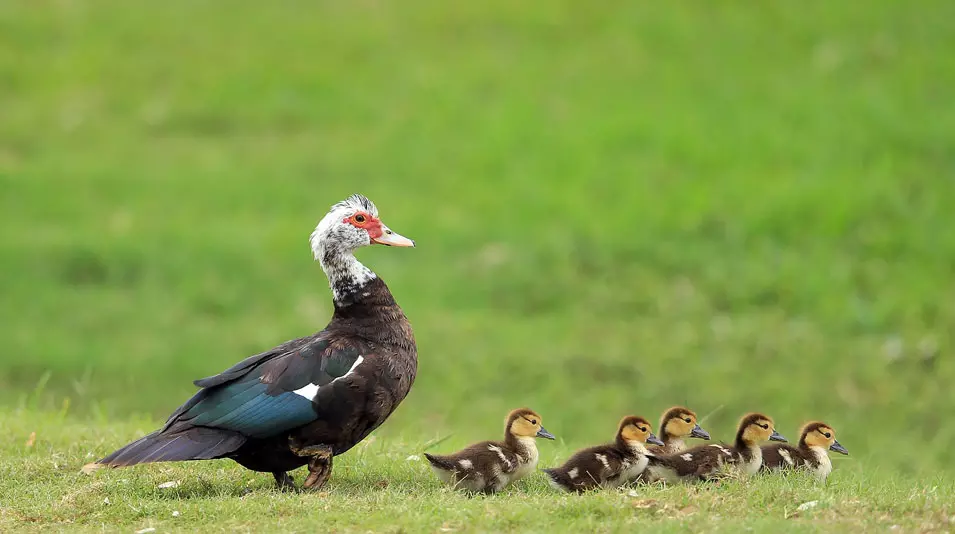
392,239
776,436
653,440
544,434
698,432
838,448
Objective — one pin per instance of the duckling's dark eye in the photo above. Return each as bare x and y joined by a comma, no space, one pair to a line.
764,426
359,218
688,420
642,429
533,421
828,435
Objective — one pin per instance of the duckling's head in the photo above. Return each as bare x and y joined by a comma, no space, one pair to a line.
819,434
526,423
634,428
756,428
679,422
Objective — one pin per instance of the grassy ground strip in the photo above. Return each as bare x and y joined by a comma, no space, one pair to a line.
384,486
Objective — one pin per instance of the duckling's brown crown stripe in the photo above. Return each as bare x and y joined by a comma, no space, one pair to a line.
809,428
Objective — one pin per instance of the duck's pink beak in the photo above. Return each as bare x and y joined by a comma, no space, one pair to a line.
392,239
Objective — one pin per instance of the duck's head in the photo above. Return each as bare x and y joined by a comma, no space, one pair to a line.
679,422
756,428
526,423
819,434
351,224
634,428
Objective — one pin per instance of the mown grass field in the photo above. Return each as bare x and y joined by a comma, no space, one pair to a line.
737,207
385,486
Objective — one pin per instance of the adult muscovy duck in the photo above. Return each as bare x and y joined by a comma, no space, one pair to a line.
311,398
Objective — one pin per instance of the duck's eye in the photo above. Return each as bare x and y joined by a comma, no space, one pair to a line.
533,421
359,218
828,435
642,429
766,427
688,420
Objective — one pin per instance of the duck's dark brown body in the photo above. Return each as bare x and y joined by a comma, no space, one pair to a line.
367,324
311,398
351,408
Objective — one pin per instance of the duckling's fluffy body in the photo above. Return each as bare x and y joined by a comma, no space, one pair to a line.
489,466
607,465
705,461
815,440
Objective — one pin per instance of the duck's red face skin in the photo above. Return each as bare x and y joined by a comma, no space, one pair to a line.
367,222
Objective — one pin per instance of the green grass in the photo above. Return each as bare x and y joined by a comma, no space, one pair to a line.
738,207
384,485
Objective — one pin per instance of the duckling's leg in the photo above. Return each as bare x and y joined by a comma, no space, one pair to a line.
319,463
283,480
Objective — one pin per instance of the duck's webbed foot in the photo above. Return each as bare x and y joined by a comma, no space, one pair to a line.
319,463
284,481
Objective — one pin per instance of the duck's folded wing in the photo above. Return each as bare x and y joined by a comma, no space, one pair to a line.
269,393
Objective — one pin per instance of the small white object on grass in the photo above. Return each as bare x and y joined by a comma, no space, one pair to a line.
106,500
170,484
175,513
807,505
413,458
145,530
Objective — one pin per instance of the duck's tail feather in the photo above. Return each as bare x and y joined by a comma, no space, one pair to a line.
196,443
440,462
558,480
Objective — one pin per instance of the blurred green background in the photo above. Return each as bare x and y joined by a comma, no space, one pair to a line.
618,206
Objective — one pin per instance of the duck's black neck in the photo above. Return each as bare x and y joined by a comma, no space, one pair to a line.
369,299
371,313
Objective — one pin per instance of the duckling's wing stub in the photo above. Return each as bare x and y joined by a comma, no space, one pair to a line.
509,460
780,456
698,461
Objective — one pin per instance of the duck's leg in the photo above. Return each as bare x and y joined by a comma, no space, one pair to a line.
283,480
319,463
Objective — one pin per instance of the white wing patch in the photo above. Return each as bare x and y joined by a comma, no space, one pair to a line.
309,391
500,453
786,457
603,459
572,473
687,457
466,464
723,449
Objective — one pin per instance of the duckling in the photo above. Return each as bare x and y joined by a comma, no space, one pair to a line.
677,424
705,461
815,439
607,465
489,466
